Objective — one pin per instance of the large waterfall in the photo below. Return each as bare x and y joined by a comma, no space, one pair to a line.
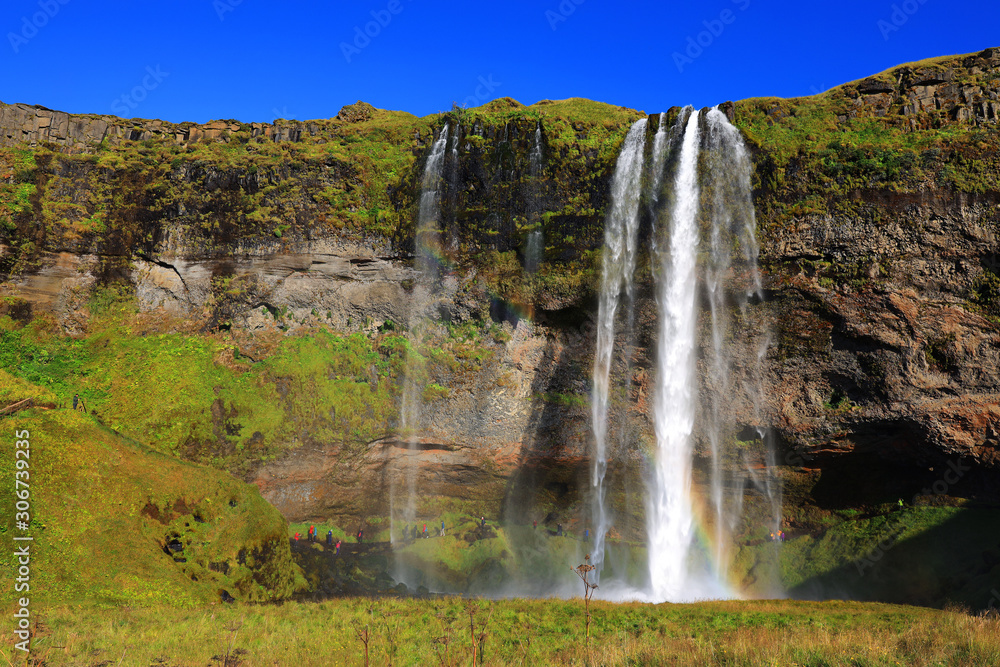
690,195
704,263
669,516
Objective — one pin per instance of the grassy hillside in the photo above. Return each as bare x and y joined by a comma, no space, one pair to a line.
197,396
104,510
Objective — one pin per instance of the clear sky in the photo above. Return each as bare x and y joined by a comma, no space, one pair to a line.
255,60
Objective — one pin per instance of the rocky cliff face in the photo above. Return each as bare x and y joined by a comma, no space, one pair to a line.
34,125
888,330
880,258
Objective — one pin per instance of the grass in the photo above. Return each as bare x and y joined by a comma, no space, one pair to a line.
103,508
196,395
548,632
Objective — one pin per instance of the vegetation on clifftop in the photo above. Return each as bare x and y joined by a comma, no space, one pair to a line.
358,176
356,179
898,131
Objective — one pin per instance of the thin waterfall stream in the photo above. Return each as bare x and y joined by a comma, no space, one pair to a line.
617,274
426,253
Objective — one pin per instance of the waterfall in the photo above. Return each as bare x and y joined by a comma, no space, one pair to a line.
534,246
660,142
711,198
617,269
669,513
722,203
427,252
733,215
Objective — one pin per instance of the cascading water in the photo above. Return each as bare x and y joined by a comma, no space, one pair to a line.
427,251
669,512
617,269
722,204
711,191
734,216
660,142
534,245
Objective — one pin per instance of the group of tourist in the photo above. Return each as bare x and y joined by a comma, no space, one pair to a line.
412,533
311,535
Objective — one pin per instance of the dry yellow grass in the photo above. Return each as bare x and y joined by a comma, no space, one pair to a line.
518,632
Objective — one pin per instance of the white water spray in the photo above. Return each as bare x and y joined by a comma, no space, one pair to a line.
660,142
734,215
428,246
535,245
617,269
669,514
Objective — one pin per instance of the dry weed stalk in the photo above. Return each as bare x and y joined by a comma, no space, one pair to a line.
390,631
583,571
444,657
364,636
229,658
478,640
525,643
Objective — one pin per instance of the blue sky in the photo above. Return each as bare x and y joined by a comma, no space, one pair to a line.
254,60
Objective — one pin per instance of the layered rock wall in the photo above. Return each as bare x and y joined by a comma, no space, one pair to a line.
884,343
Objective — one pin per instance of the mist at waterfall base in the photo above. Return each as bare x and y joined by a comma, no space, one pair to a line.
690,198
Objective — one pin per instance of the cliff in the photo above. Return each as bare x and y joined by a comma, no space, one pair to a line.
275,262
